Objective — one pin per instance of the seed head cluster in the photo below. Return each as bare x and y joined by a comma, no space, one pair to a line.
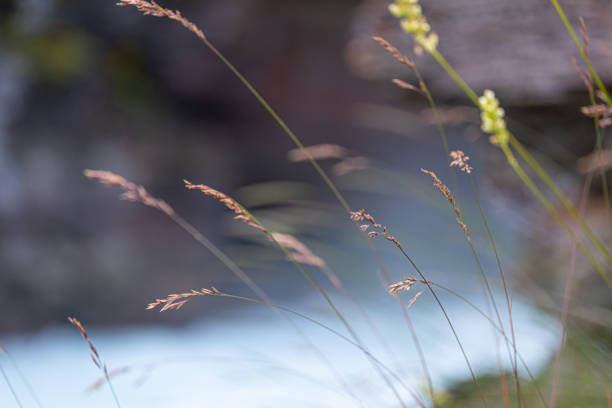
377,229
460,160
176,300
451,200
241,213
413,22
131,191
492,117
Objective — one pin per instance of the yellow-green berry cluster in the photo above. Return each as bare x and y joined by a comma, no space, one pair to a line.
493,117
413,22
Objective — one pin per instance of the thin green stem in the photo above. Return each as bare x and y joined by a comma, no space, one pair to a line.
582,51
501,332
452,327
566,299
240,274
442,132
456,77
554,213
282,124
503,278
557,192
325,296
543,176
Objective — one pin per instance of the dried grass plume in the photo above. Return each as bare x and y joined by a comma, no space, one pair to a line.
132,192
176,300
241,213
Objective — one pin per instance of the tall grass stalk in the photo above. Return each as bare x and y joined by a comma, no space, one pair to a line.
555,214
135,193
159,11
313,321
503,279
452,327
442,132
569,280
252,220
501,332
582,51
543,175
414,23
96,358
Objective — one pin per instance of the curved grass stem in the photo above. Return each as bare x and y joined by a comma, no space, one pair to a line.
336,333
582,51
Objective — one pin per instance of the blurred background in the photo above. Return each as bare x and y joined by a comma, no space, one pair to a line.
91,85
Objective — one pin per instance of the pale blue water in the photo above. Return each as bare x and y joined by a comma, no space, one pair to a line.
252,358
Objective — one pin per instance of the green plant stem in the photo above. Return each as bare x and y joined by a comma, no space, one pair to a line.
452,327
299,144
240,274
501,332
582,51
555,214
10,386
442,132
331,304
281,123
557,192
503,278
456,77
543,175
566,300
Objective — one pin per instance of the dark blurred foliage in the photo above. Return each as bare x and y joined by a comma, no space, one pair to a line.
91,85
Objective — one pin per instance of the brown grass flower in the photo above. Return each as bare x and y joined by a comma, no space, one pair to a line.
241,213
405,284
95,356
151,8
460,160
132,192
405,85
449,197
394,52
596,111
377,228
176,300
